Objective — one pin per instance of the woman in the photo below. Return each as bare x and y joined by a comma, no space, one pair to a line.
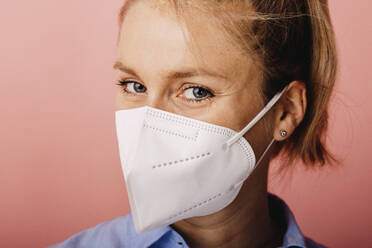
210,92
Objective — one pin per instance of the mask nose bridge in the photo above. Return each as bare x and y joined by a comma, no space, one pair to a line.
267,107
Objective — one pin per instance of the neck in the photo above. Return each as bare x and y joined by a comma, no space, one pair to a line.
245,222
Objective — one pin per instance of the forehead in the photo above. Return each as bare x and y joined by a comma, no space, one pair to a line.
154,38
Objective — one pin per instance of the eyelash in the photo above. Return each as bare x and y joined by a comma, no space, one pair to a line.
125,82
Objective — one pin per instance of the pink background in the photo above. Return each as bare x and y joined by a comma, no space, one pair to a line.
59,164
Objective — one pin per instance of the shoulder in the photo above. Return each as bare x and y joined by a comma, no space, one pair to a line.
106,234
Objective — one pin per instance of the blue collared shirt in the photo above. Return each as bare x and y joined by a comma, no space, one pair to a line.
120,233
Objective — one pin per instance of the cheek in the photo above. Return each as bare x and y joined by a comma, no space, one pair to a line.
237,112
120,101
230,112
126,101
236,116
260,135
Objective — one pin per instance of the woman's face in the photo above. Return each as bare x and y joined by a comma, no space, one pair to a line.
157,69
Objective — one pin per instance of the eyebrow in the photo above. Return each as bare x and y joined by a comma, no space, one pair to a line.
173,74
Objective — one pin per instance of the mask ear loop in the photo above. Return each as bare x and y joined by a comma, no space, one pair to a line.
268,106
258,162
263,154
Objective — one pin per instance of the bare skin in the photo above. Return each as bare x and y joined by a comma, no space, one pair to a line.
152,45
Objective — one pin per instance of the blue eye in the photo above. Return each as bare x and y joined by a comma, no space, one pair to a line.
197,94
193,94
132,87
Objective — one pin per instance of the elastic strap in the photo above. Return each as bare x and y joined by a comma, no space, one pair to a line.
263,154
268,106
258,162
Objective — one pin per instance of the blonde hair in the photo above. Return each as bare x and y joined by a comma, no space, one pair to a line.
292,40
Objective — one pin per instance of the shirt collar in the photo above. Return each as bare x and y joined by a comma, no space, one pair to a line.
293,236
145,239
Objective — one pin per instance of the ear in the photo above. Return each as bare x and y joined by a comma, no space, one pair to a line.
290,110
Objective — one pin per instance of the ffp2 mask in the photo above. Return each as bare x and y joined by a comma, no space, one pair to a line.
177,167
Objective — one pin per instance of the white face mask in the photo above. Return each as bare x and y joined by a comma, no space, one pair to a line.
177,167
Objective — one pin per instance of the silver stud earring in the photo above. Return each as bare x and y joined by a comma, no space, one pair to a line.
283,133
